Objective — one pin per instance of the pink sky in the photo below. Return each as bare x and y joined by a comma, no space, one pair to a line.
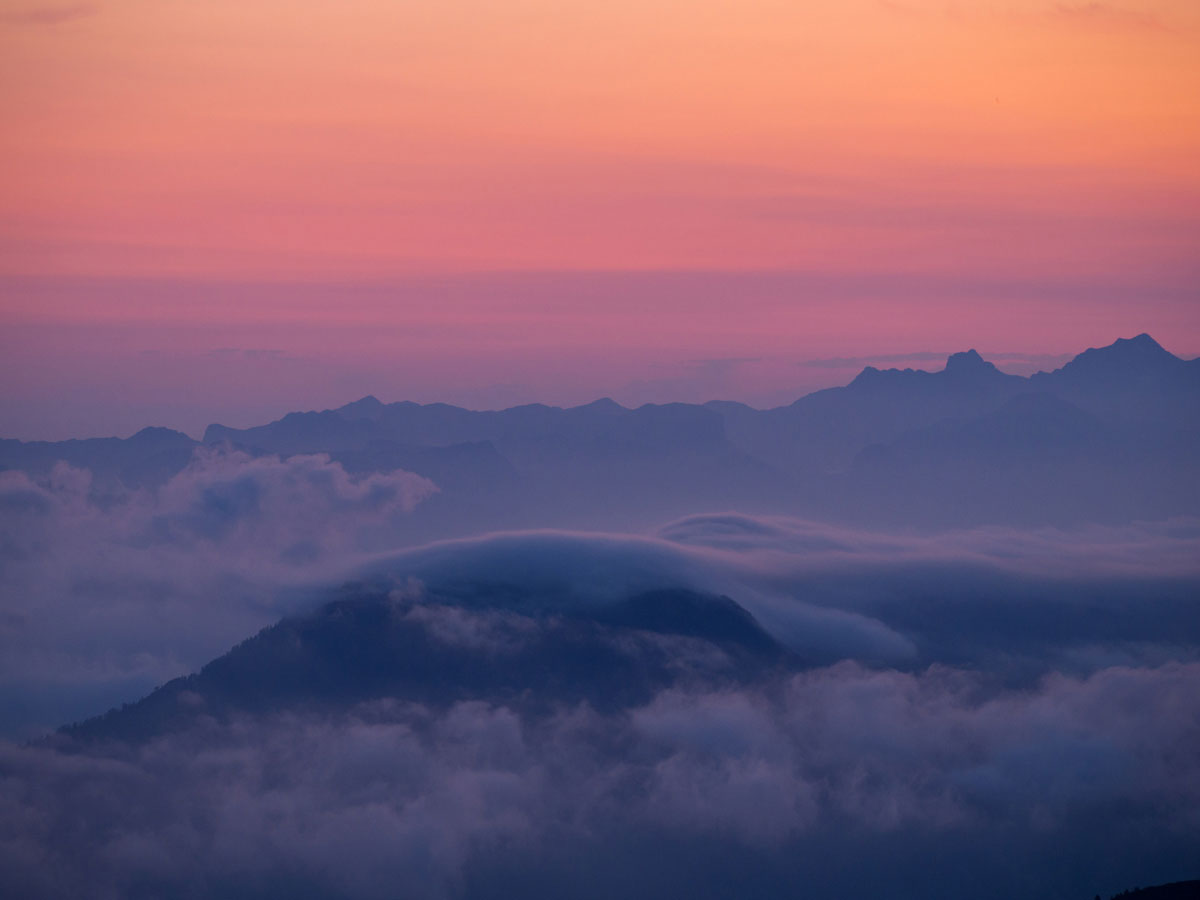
222,211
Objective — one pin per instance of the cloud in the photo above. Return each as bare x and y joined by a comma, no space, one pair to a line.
107,594
840,779
1022,362
1093,15
554,571
1020,603
252,353
294,510
49,15
1107,16
1164,548
485,631
985,712
1016,603
845,362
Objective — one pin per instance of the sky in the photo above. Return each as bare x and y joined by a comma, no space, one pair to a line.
222,211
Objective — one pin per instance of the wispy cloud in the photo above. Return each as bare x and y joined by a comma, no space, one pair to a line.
1108,16
845,362
249,353
49,15
1017,360
211,545
1091,13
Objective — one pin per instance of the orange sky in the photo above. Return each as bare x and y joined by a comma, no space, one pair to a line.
278,141
277,137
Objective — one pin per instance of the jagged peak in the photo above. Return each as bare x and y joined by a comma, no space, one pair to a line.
968,362
965,364
1139,351
1141,344
966,356
868,374
1142,339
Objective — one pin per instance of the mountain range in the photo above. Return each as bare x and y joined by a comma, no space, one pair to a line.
479,664
1111,436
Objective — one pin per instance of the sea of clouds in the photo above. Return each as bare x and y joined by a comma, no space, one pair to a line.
986,713
842,781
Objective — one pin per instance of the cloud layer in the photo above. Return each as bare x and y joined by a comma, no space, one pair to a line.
1001,599
105,595
992,713
926,780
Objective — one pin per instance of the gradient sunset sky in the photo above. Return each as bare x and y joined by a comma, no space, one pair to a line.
223,210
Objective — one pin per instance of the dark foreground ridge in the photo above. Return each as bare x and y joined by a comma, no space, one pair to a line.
1176,890
438,651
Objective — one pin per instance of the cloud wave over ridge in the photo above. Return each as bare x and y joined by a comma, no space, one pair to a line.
988,713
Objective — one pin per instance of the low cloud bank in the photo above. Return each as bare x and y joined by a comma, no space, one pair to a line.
106,595
837,782
991,713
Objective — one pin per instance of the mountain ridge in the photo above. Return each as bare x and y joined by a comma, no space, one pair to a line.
443,649
1124,427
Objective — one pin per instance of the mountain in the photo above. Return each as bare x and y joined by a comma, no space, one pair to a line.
300,432
444,648
959,469
822,432
1128,363
1112,435
1133,380
599,465
731,705
1176,890
147,459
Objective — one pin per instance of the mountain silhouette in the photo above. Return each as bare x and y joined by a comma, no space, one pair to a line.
445,648
1176,890
1113,435
1128,360
146,459
1133,380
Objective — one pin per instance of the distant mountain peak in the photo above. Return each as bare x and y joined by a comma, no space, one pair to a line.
1142,346
1136,355
366,407
1142,338
965,366
604,403
867,374
157,432
968,362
